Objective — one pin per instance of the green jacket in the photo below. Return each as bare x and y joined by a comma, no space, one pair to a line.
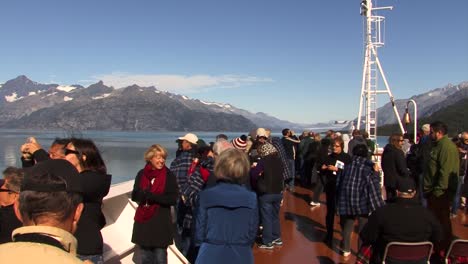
441,174
304,146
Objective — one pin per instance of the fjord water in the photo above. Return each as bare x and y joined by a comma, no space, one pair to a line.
121,151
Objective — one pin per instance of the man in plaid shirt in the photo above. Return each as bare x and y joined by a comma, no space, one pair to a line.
180,167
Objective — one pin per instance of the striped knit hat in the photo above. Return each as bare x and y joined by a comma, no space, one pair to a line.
240,142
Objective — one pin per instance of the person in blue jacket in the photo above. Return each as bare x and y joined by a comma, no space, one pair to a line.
227,216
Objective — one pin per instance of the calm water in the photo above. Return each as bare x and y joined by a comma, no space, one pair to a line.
122,151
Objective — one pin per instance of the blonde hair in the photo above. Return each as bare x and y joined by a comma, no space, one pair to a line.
154,150
232,166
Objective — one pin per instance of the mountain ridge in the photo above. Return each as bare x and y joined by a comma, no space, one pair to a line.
28,104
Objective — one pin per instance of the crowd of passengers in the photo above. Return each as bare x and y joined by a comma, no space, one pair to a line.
217,200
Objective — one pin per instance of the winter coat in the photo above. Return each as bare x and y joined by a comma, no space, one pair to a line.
95,188
441,173
8,223
393,165
331,160
226,224
30,250
358,188
403,221
158,231
268,175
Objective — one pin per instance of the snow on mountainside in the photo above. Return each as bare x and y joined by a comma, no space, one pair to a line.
26,103
428,102
98,106
23,97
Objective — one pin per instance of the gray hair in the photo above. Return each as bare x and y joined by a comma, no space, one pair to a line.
14,178
232,166
220,146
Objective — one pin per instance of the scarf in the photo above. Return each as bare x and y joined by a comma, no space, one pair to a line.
154,181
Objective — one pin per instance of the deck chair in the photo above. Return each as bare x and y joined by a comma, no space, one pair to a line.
457,252
407,252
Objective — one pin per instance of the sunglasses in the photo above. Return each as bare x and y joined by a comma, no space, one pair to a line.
8,191
71,151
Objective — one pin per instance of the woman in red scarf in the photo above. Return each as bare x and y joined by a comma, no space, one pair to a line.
155,191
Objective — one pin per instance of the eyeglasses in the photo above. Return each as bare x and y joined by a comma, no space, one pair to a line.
71,151
336,146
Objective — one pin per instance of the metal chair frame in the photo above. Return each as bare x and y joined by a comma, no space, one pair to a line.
409,245
453,246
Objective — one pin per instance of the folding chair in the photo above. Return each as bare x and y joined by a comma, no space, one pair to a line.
408,252
457,252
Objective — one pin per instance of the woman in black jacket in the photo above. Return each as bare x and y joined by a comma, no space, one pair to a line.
269,187
330,168
393,164
95,181
155,191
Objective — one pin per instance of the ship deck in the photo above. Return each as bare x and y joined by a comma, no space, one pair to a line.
303,228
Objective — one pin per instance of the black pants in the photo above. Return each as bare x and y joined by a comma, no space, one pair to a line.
330,192
440,207
318,188
391,194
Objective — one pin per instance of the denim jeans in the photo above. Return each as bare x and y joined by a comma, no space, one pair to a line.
292,168
318,188
456,199
184,240
421,190
269,214
347,226
153,255
96,259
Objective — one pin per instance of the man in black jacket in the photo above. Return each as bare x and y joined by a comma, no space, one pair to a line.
403,221
9,192
393,164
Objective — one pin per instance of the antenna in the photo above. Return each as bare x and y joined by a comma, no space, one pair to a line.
372,70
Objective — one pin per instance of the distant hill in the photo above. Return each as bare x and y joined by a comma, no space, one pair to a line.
30,105
455,116
428,102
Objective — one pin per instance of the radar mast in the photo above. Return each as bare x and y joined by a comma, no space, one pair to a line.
372,70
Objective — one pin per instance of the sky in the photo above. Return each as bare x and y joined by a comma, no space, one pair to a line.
298,60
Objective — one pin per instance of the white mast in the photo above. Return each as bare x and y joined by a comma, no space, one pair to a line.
371,70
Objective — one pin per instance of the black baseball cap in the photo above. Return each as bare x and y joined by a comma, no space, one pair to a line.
406,185
56,167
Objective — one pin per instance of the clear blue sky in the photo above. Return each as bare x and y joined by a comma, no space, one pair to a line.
298,60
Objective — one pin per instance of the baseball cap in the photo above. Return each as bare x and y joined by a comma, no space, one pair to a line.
261,132
56,167
406,185
190,137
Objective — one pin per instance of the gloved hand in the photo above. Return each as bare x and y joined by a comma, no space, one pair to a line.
140,196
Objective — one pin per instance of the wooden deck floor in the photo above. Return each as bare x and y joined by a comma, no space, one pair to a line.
303,229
